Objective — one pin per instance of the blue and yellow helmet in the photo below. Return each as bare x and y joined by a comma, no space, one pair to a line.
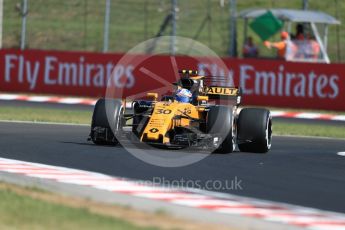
183,95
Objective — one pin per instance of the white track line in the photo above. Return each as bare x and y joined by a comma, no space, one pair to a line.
43,123
342,154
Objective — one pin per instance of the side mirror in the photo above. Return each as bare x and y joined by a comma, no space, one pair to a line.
154,96
202,100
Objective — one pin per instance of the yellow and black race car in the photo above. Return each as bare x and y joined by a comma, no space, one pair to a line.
187,118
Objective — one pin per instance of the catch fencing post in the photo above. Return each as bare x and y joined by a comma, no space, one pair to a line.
24,14
1,18
305,5
106,26
173,25
233,34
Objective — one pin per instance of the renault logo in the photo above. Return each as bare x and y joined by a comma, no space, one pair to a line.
153,130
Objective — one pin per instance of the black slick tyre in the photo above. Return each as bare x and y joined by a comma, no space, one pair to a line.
219,121
103,126
254,130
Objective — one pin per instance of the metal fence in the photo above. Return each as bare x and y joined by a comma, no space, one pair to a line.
82,24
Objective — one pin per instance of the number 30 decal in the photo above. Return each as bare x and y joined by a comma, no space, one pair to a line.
163,111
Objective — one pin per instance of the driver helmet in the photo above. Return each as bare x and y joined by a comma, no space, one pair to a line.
183,95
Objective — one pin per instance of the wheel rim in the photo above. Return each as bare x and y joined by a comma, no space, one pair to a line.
119,120
269,132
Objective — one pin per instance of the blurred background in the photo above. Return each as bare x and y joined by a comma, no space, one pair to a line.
84,24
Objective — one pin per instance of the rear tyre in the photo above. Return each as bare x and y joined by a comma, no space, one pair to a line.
219,122
102,128
254,130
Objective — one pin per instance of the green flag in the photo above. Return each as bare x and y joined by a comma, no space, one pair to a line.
266,25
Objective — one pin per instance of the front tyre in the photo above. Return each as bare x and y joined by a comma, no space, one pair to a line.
254,130
219,123
107,119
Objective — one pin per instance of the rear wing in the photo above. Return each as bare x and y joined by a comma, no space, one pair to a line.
222,92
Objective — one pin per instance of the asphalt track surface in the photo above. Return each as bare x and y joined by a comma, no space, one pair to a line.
302,171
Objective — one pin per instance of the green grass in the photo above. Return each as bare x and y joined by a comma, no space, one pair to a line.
45,114
84,117
78,24
286,128
23,212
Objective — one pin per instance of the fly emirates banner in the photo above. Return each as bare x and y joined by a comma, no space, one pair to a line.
263,82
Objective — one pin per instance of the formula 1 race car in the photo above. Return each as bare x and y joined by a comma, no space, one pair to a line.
187,118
